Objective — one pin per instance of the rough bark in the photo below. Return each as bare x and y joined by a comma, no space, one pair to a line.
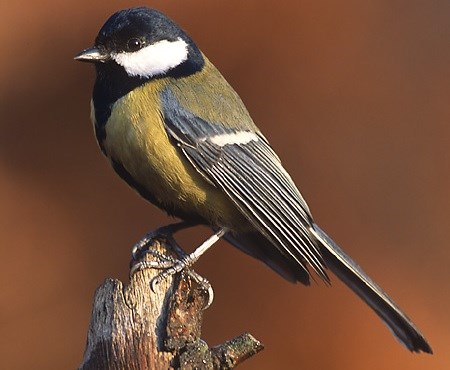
135,327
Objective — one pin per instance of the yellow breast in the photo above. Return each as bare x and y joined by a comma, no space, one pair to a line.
136,138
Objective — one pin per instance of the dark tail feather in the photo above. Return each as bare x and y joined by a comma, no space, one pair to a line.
357,280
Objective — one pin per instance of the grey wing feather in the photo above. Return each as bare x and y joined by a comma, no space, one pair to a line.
252,176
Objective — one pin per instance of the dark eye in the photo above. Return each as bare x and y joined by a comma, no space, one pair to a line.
134,44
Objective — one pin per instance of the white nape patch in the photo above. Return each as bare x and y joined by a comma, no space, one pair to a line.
154,59
235,138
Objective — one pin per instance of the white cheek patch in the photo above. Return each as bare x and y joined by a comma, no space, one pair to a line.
154,59
235,138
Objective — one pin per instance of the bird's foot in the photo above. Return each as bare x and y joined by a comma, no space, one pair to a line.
171,265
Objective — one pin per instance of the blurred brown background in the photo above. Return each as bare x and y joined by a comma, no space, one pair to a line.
354,98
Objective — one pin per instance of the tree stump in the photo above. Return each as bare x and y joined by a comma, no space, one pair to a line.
135,327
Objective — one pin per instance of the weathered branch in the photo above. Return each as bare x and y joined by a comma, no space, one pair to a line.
133,327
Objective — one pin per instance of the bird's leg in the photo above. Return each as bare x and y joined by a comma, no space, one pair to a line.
167,262
172,265
186,261
189,259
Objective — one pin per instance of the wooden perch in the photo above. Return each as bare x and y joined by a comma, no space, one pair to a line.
133,327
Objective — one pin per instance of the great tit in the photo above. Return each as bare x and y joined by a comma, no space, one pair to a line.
176,131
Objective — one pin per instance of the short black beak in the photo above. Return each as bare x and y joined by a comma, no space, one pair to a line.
93,55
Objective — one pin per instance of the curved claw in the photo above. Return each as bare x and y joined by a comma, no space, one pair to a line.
210,293
206,286
155,281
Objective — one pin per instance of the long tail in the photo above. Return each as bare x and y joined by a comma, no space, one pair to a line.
357,280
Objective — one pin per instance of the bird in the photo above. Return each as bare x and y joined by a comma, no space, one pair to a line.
175,130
